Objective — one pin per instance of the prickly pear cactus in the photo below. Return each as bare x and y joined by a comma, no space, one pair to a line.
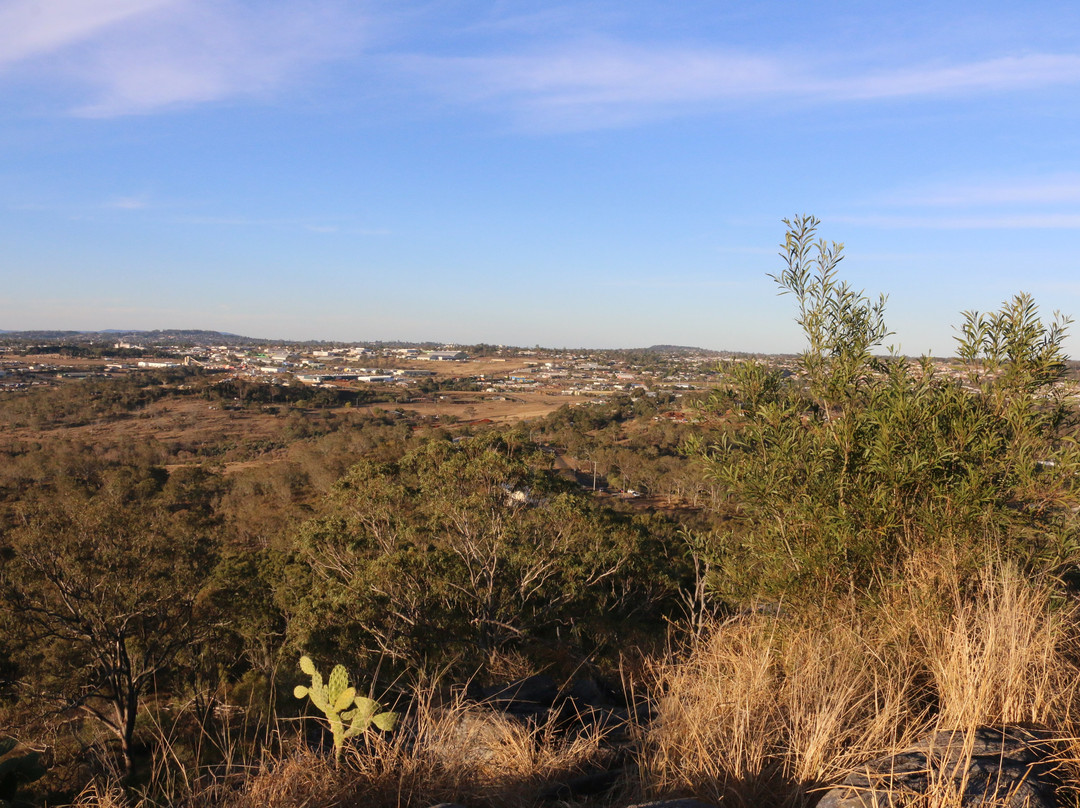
334,700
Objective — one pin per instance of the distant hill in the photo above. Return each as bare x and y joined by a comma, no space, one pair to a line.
180,336
678,349
183,337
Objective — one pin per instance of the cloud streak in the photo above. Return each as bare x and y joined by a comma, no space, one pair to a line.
31,28
1050,190
311,226
1007,74
199,53
610,82
1005,221
598,83
139,56
993,203
128,203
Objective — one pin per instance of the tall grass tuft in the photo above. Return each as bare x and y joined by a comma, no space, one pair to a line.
767,709
449,752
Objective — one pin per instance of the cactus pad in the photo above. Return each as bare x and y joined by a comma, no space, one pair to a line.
334,700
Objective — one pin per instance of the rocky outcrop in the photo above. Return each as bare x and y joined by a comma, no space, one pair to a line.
584,706
1011,767
682,803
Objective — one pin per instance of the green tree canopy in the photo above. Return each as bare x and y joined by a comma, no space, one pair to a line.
459,549
837,474
101,593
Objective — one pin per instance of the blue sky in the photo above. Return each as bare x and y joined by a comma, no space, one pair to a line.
605,173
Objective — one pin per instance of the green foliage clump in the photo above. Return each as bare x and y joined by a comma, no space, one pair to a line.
101,594
334,700
834,476
462,549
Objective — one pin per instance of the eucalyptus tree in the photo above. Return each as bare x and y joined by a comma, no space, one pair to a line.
102,597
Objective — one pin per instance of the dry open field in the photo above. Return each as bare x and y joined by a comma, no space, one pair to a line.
169,420
482,366
192,429
499,408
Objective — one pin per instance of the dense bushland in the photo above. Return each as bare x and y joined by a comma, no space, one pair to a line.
849,555
834,479
144,606
459,550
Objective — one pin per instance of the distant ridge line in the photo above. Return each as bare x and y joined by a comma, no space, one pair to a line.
197,336
167,335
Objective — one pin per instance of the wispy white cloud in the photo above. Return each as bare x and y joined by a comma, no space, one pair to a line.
309,225
601,83
609,82
1007,221
170,212
1048,190
199,52
128,203
32,28
989,75
138,56
1019,203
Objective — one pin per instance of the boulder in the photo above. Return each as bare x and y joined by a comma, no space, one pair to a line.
1011,766
531,696
585,785
470,737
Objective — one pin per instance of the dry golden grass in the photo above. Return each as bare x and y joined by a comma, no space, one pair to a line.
768,709
102,796
453,752
763,710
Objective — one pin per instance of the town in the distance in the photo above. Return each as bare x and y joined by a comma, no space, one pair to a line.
459,383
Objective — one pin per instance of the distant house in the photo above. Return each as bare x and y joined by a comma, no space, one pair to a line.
412,372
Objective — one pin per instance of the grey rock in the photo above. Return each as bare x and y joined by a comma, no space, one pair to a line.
532,695
1012,766
469,737
587,691
576,719
585,785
